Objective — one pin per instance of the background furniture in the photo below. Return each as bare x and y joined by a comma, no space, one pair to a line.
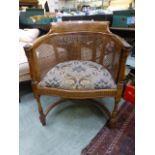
102,17
35,18
29,3
92,48
123,18
24,17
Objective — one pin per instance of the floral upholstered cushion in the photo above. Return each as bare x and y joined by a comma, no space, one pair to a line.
78,75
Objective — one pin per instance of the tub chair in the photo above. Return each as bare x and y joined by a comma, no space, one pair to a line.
78,60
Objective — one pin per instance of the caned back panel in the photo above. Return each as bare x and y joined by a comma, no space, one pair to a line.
102,48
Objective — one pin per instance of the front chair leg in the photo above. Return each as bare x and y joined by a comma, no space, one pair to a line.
42,116
112,122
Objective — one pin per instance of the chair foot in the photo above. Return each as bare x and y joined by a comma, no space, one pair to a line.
112,123
42,117
42,120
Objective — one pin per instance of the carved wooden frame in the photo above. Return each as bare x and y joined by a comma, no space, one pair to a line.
76,94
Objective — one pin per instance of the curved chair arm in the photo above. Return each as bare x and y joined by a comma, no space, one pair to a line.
123,42
123,58
31,56
124,54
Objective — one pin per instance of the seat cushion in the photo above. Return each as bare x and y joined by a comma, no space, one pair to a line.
78,75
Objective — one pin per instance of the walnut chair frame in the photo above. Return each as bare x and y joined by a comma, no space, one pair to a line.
72,36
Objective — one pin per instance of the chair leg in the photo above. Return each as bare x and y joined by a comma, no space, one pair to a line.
112,122
42,116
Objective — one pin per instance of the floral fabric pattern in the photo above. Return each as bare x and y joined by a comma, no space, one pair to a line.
78,75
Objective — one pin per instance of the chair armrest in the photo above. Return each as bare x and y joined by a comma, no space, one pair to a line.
123,59
125,52
123,42
34,71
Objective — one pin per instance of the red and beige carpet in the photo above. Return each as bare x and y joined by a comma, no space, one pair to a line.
118,141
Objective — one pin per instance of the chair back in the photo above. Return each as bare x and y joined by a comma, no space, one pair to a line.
76,26
102,48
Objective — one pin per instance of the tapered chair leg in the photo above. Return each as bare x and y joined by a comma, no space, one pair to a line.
112,121
42,116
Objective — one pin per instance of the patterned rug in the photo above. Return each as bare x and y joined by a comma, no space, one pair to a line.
118,141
